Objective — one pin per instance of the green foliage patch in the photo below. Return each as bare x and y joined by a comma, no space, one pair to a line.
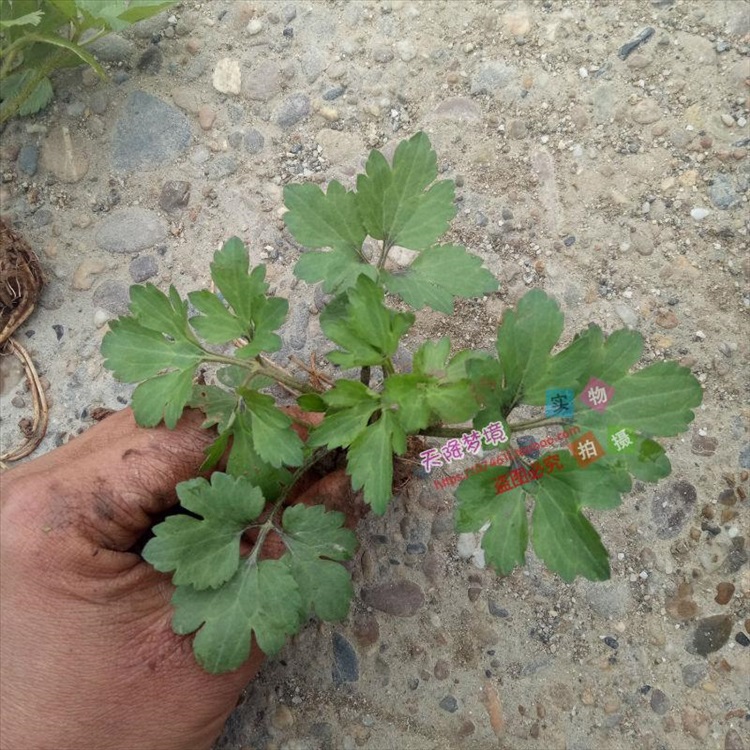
38,37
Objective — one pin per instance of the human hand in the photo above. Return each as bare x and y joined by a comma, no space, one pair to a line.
89,659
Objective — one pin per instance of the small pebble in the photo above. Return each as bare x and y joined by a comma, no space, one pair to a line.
611,642
282,718
206,117
699,213
254,27
659,702
496,610
710,634
28,158
345,662
724,592
442,670
742,639
449,703
100,318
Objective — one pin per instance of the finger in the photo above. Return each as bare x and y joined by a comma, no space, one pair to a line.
109,482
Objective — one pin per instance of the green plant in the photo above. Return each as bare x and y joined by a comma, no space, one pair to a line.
38,37
226,595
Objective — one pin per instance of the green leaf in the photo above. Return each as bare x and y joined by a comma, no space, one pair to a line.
317,542
257,316
524,340
406,397
598,485
562,536
318,219
240,288
273,438
154,345
244,460
349,404
215,452
657,400
135,353
217,404
75,49
478,503
65,7
352,404
205,552
649,463
138,10
370,460
158,312
261,599
453,402
438,275
26,92
217,325
163,397
393,203
432,357
270,313
311,402
103,13
361,324
338,269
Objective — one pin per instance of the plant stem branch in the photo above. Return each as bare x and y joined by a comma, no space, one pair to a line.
537,422
267,367
269,525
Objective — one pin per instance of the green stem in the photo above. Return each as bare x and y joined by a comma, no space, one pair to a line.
269,525
388,368
261,367
7,65
266,367
538,422
387,245
220,359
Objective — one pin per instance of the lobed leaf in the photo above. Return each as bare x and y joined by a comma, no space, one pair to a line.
205,552
438,275
393,203
338,269
370,460
316,543
562,536
261,599
318,219
273,439
361,324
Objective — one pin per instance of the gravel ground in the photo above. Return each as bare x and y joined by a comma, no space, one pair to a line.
600,148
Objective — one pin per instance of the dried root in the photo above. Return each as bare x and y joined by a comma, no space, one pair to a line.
21,282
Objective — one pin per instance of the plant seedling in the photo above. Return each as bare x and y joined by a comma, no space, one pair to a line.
469,398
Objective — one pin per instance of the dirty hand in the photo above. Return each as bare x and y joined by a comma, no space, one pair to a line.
88,655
